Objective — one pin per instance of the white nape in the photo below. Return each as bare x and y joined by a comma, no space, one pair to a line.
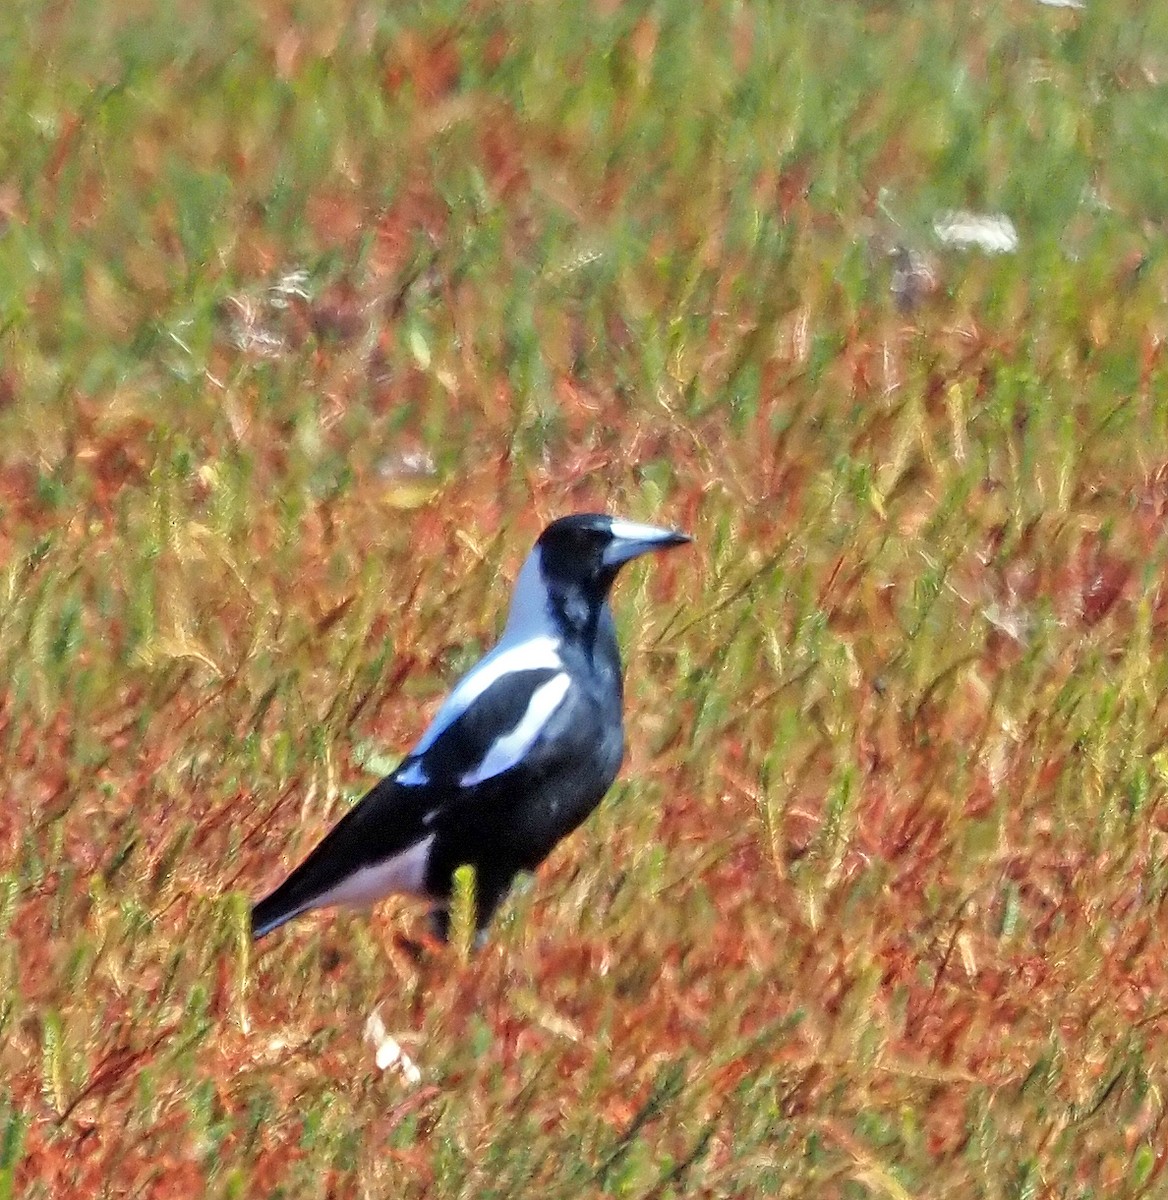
530,642
530,615
506,751
403,874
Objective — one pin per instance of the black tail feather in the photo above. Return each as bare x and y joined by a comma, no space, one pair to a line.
381,825
271,912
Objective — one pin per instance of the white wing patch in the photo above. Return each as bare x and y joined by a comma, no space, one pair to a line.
507,750
530,642
533,654
404,873
412,776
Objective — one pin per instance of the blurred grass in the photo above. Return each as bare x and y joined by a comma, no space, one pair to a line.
311,315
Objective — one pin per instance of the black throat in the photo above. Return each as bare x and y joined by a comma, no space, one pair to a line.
579,609
589,647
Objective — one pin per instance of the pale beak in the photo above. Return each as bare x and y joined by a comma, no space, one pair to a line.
630,540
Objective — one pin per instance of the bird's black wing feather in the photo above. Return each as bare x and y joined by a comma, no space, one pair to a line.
393,816
520,813
467,741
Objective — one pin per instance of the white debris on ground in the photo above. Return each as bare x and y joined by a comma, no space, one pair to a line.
1010,620
292,285
992,232
254,317
249,330
1062,3
387,1050
414,463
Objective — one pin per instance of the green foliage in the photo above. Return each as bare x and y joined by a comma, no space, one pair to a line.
311,315
463,913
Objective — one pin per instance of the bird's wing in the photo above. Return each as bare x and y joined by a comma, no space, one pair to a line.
524,733
497,730
368,850
506,729
503,665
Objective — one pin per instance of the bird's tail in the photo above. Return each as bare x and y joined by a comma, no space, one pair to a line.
274,909
310,882
376,849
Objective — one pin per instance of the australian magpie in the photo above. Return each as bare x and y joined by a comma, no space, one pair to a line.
521,751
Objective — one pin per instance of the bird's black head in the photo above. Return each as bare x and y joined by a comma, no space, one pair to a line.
580,556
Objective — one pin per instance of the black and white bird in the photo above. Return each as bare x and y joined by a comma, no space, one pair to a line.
521,751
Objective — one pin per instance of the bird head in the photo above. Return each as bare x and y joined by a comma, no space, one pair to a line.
567,577
585,551
590,548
